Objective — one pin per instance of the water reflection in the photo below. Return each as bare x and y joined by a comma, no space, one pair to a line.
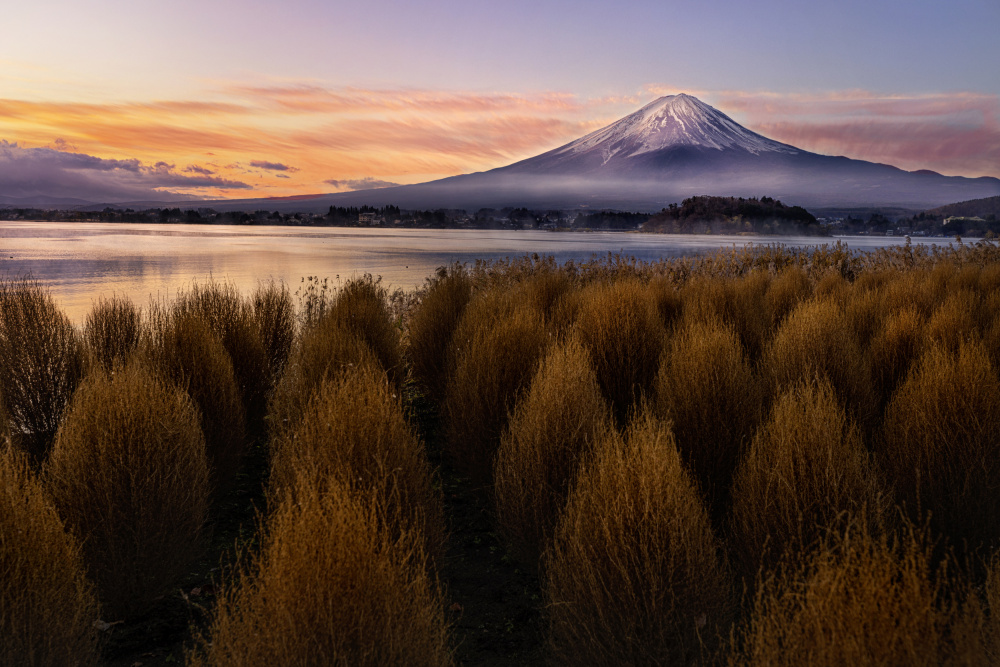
82,261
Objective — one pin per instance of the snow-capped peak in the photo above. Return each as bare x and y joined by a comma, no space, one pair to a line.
674,120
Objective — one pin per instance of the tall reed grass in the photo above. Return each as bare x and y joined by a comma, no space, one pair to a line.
942,443
634,574
805,473
41,364
361,307
353,433
273,314
113,330
47,606
129,475
551,430
329,587
708,391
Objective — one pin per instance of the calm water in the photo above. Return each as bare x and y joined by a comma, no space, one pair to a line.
82,261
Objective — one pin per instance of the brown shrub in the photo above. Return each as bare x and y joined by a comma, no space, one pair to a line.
859,600
183,350
816,340
622,330
667,300
113,330
41,364
431,327
129,475
231,319
47,607
323,352
741,303
550,432
956,320
787,290
894,349
494,352
273,316
633,575
863,312
330,586
805,472
707,390
942,443
353,432
362,308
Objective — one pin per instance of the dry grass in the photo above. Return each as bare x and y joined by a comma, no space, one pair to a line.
707,389
741,303
860,599
619,324
955,321
231,318
633,575
362,308
431,327
41,364
893,350
816,340
789,288
330,587
113,330
273,314
323,352
184,350
47,607
942,443
550,432
353,433
129,475
805,473
494,352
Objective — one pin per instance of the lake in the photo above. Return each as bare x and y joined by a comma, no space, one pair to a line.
81,261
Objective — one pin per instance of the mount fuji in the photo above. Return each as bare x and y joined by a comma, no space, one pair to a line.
673,148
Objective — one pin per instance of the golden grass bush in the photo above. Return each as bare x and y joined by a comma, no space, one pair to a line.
231,318
861,599
323,352
41,364
894,349
816,339
956,320
634,576
494,352
863,313
432,325
330,586
184,350
273,314
707,389
805,473
551,430
667,300
786,291
620,326
47,606
129,475
113,330
941,444
361,307
738,302
353,433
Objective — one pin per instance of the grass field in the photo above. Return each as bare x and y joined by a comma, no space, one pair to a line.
765,456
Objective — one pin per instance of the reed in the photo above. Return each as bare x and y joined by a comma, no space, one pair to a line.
113,330
273,315
361,307
432,325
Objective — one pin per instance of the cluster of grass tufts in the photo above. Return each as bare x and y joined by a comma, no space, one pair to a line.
431,327
129,475
47,606
113,331
41,364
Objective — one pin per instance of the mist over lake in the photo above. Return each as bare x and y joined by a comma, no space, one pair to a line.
80,262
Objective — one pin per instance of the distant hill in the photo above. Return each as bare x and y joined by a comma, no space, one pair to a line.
980,208
733,215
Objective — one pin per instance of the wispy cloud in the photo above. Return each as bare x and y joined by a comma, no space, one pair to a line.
366,183
271,166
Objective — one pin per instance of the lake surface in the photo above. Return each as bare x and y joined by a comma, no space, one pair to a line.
81,261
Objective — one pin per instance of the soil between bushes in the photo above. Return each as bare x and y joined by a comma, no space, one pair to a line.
494,605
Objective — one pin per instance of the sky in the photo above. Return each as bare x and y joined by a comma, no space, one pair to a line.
226,98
